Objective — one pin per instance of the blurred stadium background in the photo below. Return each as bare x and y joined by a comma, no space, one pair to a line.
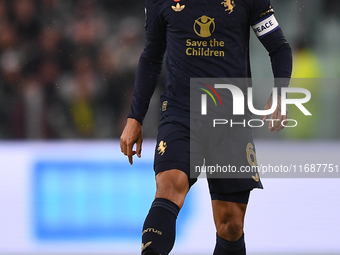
66,79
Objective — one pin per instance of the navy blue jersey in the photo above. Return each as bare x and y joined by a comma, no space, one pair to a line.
203,39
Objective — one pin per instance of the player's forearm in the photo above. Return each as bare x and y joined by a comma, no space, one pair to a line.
148,71
282,64
281,58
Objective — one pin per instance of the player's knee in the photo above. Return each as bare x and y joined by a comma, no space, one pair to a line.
231,230
172,185
172,191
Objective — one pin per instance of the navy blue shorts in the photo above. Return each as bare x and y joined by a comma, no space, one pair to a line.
175,146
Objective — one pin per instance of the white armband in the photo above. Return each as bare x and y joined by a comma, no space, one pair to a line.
266,26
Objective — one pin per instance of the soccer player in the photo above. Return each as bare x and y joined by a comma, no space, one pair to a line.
202,39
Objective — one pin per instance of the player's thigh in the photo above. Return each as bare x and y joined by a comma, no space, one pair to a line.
172,159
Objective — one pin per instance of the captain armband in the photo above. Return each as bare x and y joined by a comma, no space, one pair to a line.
266,26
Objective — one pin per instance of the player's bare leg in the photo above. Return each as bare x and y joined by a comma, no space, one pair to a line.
229,222
172,185
158,235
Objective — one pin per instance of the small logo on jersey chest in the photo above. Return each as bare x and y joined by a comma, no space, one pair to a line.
178,7
230,5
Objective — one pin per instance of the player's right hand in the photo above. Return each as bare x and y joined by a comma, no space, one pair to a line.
132,134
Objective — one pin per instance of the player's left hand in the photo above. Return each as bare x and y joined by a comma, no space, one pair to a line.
275,124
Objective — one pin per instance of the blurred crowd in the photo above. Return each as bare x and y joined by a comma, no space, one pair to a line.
66,68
